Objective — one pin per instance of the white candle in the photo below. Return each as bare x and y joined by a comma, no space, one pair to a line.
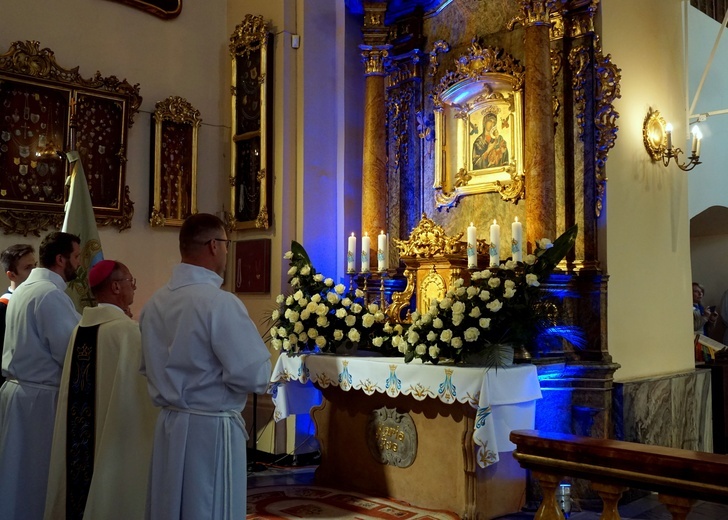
668,134
517,242
697,137
494,244
365,245
382,259
350,252
472,246
694,145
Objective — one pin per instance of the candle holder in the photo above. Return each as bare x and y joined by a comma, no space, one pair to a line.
657,138
351,280
365,275
382,299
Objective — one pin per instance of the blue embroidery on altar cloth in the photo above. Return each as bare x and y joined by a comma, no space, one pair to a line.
447,390
481,416
345,378
394,384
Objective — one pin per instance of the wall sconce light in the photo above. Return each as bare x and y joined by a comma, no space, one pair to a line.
657,136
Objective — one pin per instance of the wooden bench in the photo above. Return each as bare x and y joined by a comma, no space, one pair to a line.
679,476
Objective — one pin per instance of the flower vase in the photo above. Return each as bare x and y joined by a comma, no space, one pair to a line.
502,357
347,348
521,355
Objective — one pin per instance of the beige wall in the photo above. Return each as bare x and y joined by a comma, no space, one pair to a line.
709,266
314,114
185,57
647,236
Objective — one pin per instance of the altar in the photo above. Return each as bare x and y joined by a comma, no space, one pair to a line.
460,416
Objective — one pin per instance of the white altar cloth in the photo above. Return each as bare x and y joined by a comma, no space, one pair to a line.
504,398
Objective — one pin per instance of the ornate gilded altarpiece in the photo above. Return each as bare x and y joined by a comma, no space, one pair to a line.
43,106
479,127
174,179
251,154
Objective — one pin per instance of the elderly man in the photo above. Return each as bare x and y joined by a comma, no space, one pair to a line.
39,323
202,355
102,442
17,261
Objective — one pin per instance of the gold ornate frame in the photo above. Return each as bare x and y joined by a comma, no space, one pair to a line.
174,179
44,106
250,178
479,127
654,134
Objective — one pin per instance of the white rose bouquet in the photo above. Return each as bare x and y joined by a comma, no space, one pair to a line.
320,315
497,310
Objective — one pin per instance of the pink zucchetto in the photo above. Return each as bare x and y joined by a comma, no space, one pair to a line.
100,272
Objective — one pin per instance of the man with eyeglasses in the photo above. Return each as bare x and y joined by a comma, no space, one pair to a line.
102,440
40,319
202,355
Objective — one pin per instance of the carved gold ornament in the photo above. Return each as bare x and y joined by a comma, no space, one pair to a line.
429,239
401,300
535,12
432,288
480,63
606,91
654,134
249,35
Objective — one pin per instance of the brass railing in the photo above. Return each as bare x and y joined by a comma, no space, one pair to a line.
680,477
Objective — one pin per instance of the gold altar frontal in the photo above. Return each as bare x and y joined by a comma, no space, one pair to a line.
444,474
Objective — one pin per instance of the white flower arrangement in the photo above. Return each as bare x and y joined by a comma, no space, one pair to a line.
496,308
323,316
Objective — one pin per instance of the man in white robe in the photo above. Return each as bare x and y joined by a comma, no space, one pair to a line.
106,453
40,319
17,261
202,355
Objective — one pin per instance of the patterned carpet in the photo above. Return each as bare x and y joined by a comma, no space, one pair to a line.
318,502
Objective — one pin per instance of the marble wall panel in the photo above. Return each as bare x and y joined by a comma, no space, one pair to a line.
673,411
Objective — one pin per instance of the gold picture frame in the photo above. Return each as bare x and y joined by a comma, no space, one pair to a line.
251,156
479,128
43,107
174,177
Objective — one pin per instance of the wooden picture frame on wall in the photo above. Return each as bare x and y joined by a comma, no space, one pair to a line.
479,128
251,153
173,197
40,104
166,9
252,266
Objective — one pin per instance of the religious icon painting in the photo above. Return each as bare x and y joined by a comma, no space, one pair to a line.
175,127
251,196
479,127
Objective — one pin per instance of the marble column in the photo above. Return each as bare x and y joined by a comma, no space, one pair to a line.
540,164
374,52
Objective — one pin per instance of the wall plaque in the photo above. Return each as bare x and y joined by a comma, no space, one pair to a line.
392,437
